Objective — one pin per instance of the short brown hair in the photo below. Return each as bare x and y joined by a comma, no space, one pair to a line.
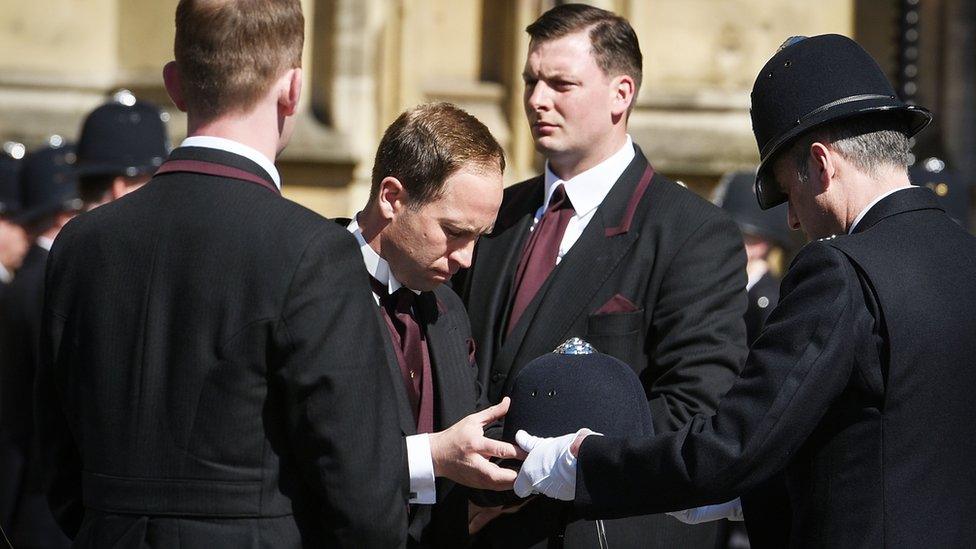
427,144
614,42
229,51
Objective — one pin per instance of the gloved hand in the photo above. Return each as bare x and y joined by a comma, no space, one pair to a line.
550,468
731,510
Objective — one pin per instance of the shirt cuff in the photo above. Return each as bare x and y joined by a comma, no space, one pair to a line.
422,488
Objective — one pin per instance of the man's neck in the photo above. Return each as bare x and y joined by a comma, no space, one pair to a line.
258,129
570,165
371,224
866,190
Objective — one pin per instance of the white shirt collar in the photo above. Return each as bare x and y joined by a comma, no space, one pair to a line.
211,142
377,267
588,189
44,242
871,204
755,270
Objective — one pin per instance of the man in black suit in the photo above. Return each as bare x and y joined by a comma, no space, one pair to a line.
859,387
635,264
49,197
208,368
436,188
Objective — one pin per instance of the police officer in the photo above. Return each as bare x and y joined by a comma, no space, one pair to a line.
49,199
13,239
121,145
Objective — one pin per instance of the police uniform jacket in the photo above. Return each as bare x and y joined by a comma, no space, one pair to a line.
859,387
210,368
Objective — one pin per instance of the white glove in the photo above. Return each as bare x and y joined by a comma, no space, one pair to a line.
550,468
731,510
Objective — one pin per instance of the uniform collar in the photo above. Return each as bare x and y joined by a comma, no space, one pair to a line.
871,204
376,266
588,189
220,143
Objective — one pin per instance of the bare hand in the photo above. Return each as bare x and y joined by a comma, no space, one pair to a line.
461,452
479,517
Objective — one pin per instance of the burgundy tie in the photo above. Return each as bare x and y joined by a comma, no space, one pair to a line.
539,256
412,354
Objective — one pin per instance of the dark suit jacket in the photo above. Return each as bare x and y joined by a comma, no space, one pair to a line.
442,317
209,374
675,257
24,512
859,387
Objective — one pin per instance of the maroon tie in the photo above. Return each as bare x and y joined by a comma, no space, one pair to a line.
411,352
539,256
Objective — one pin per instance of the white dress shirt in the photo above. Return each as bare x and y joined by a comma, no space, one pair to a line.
219,143
423,489
755,270
586,191
871,204
44,242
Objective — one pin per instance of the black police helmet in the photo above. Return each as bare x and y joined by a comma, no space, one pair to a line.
48,183
736,195
813,81
11,158
122,137
568,389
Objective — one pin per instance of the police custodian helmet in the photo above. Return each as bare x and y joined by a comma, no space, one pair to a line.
813,81
122,137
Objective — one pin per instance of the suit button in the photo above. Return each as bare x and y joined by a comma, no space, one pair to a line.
497,376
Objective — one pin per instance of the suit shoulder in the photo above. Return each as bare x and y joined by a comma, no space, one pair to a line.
522,189
666,193
821,257
448,298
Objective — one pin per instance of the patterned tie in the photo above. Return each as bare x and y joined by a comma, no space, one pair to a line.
412,353
539,256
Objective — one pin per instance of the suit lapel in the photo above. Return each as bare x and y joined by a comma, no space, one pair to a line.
447,356
582,271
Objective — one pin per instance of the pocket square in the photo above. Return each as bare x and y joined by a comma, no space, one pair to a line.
617,304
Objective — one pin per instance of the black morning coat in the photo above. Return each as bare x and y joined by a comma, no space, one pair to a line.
677,262
211,376
457,393
859,387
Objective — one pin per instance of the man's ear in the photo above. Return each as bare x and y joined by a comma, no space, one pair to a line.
624,89
824,164
392,197
174,85
291,91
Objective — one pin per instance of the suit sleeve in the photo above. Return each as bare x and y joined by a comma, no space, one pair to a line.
339,399
697,330
60,459
802,361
